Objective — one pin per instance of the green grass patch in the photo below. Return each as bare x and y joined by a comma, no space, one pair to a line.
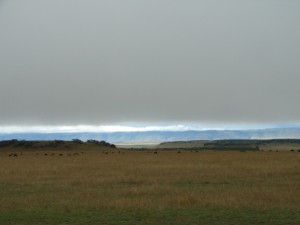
185,216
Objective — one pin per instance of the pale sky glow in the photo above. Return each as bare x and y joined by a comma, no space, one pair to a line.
88,128
123,128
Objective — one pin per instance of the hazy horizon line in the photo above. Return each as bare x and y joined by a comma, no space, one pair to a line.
7,129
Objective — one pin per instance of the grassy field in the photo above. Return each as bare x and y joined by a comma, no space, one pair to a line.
139,187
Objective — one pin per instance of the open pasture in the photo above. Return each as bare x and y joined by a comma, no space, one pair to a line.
140,187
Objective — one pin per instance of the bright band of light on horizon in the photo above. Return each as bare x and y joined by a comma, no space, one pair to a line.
125,128
87,128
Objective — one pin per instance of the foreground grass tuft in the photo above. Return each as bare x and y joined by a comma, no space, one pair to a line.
200,216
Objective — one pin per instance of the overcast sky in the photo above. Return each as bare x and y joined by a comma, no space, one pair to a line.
93,62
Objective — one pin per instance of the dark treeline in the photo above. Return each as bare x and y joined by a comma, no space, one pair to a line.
236,144
239,142
51,144
246,144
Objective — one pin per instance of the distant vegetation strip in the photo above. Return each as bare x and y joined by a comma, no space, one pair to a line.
252,145
52,144
235,145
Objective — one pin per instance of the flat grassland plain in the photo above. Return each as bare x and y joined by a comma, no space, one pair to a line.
143,187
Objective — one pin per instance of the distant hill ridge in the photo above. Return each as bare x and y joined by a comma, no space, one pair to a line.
53,144
237,144
161,136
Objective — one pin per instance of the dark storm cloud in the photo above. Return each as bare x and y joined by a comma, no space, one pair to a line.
111,61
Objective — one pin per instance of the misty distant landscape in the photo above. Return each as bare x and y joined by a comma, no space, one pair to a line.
161,136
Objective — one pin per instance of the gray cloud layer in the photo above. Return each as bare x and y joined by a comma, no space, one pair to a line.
110,61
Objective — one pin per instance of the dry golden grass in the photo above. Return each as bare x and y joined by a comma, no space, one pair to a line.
141,180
